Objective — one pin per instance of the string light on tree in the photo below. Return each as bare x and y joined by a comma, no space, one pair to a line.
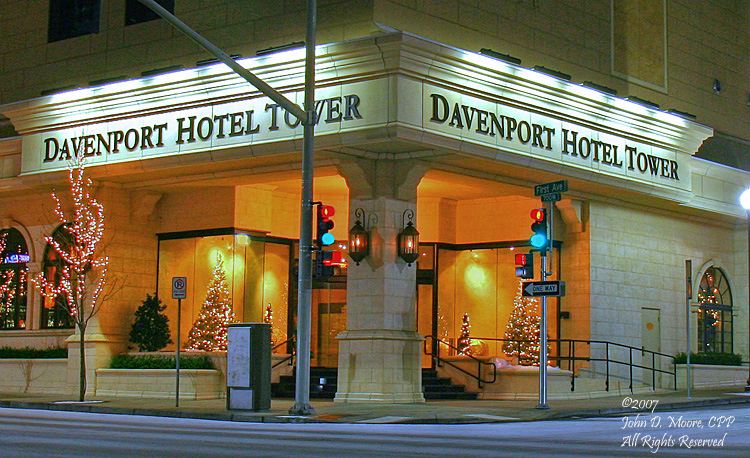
523,330
464,340
268,319
209,332
83,269
7,291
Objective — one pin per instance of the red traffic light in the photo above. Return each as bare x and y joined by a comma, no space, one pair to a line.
326,211
538,214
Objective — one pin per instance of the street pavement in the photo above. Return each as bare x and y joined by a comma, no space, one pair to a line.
430,412
719,431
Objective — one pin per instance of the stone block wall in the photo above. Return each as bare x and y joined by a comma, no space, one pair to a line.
638,261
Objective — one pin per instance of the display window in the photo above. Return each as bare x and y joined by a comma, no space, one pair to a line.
13,279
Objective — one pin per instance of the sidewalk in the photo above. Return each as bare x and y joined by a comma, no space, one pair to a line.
443,412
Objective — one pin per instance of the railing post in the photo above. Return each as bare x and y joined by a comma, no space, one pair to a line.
653,371
630,350
606,350
573,371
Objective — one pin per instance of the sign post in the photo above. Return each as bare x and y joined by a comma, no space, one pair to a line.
550,193
179,292
688,296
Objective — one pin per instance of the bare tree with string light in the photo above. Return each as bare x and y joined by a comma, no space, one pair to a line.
83,267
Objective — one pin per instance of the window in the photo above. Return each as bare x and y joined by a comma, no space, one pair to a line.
55,311
72,18
13,279
714,313
256,270
136,12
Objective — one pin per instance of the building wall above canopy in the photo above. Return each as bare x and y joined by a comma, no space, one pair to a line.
394,96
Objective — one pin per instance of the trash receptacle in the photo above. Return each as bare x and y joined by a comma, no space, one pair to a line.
249,366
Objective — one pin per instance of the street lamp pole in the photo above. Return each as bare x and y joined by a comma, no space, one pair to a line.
745,202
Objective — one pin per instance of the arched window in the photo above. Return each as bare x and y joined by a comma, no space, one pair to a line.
13,279
714,313
54,311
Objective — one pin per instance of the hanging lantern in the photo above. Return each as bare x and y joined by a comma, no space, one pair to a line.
359,238
408,240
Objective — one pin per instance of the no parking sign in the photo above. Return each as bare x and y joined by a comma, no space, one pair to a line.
179,287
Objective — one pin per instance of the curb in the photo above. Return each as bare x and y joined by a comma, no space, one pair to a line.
285,418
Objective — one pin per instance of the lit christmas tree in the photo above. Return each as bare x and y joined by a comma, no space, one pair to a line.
209,332
82,270
268,319
523,330
464,341
7,292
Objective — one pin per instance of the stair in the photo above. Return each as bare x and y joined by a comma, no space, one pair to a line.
435,387
323,382
323,385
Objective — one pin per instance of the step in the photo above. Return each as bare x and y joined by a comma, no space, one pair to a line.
451,396
443,389
323,385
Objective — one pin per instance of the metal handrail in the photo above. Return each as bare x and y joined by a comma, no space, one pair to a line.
572,358
439,361
289,358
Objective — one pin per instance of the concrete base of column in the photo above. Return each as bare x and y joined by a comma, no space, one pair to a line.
380,366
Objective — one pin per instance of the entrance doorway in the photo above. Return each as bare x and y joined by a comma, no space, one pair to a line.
328,320
651,338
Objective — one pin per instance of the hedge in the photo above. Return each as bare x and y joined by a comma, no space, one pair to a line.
716,359
32,353
160,362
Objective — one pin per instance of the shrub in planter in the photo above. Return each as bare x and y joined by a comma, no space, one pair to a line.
32,353
160,362
150,330
716,359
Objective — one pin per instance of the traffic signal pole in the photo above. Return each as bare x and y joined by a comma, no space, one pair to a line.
307,117
304,290
543,324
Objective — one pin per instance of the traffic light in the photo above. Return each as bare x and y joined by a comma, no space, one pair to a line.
323,236
539,239
525,265
328,263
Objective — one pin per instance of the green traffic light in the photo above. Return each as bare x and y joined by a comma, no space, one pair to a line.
538,240
327,239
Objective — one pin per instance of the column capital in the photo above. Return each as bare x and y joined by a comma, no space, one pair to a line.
372,178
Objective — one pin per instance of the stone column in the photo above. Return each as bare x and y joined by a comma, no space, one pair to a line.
33,298
380,352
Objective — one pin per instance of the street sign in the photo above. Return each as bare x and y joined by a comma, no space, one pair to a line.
551,188
179,287
543,288
551,197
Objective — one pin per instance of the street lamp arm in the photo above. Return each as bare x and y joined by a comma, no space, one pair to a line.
272,93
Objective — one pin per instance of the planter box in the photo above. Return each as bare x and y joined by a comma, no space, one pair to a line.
160,383
37,376
708,376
